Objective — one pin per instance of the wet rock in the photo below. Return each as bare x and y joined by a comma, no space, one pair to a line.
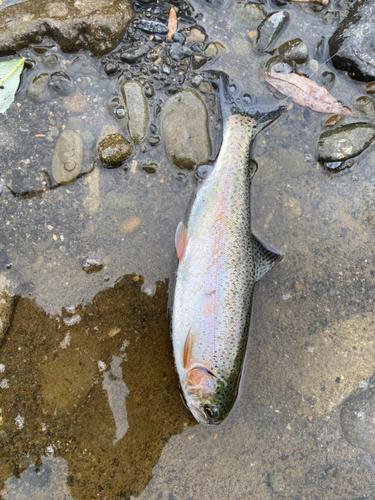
338,166
370,88
196,80
357,419
280,3
249,15
132,55
92,265
199,61
152,27
50,60
98,25
195,36
137,109
352,46
111,68
178,52
205,88
327,79
345,142
365,107
7,303
120,112
166,69
67,157
278,64
295,50
62,82
179,37
37,88
269,29
148,89
113,150
149,168
154,140
333,120
211,50
314,65
184,130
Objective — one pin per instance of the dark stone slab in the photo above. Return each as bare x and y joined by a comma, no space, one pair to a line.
352,46
97,25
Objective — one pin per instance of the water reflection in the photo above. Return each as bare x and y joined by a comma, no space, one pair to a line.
109,424
117,393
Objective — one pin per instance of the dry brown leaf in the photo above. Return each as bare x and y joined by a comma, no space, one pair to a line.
306,92
172,23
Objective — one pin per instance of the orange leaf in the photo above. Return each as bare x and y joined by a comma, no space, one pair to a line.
172,23
306,92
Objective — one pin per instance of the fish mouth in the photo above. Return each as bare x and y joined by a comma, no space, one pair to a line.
198,414
197,409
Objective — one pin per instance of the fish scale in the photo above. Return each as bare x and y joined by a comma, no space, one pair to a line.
215,278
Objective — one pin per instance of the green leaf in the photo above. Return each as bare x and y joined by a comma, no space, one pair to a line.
10,72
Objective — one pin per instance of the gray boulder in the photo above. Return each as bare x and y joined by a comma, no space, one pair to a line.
184,130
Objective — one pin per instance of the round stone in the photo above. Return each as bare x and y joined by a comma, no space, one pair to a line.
113,150
110,68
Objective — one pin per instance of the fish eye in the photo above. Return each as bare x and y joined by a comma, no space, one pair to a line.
211,411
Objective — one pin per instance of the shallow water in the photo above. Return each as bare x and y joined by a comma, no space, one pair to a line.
81,344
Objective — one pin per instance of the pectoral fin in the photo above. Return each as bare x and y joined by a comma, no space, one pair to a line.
181,238
264,258
187,349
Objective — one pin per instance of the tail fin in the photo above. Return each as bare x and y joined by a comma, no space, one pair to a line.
232,102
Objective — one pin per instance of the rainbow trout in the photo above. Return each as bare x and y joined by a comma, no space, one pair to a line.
219,263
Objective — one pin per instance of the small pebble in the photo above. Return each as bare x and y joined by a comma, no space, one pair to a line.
313,65
252,34
205,88
195,35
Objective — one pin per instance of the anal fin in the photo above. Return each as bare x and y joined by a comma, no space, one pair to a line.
264,258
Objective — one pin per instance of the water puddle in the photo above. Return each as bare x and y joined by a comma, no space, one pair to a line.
89,398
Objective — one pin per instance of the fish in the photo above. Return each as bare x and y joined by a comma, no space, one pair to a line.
220,260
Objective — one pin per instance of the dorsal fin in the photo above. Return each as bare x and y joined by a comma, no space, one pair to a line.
180,240
264,258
